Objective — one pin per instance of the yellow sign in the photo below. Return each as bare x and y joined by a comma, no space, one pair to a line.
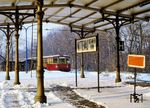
137,61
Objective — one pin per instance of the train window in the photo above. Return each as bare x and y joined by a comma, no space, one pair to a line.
54,60
62,60
48,61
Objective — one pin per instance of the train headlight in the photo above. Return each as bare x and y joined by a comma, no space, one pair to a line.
56,66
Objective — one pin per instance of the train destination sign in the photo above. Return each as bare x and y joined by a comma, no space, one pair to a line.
137,61
86,45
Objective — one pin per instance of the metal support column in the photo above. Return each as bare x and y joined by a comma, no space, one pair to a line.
82,34
117,23
117,28
98,77
76,76
82,66
17,46
14,17
7,53
82,58
40,96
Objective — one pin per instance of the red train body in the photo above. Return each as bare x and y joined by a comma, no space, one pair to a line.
57,62
61,67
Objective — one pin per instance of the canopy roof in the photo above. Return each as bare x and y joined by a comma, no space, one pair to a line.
78,13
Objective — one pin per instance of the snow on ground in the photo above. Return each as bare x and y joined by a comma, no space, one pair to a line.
111,95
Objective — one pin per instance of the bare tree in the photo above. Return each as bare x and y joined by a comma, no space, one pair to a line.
134,36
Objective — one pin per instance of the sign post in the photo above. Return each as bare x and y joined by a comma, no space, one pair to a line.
136,61
85,45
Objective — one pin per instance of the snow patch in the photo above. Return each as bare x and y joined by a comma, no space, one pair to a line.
5,85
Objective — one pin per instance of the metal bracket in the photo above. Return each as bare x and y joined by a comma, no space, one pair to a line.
82,33
4,30
14,16
123,20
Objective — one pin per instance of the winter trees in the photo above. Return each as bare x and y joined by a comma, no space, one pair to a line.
61,41
135,37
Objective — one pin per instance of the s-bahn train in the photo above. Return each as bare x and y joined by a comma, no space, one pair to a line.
53,62
57,62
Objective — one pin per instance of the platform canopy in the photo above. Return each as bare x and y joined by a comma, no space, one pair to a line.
78,13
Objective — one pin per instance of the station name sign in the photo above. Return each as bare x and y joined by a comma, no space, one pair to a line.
86,45
136,61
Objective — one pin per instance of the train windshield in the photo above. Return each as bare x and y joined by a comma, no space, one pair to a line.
63,60
67,60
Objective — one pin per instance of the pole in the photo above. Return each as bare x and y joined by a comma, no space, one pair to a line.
97,46
12,54
40,96
7,53
118,79
135,81
76,80
82,57
82,66
26,61
17,46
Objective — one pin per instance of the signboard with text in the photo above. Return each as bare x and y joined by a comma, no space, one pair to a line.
137,61
86,45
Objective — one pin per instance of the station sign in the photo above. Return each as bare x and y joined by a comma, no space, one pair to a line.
86,45
136,61
121,45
